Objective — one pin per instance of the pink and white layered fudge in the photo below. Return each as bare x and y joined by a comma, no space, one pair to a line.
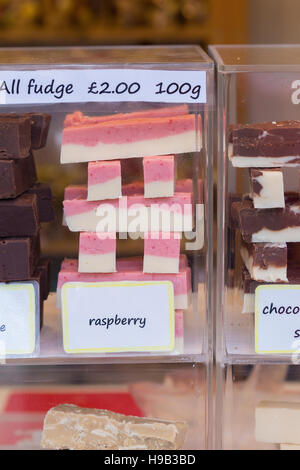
159,176
97,252
104,180
179,331
129,138
130,269
133,213
161,252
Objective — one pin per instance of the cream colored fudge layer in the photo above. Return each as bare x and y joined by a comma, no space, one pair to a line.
277,422
111,189
97,263
271,274
289,446
75,428
271,193
160,264
159,189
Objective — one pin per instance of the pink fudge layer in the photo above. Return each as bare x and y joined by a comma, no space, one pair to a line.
162,244
91,243
101,172
125,272
78,118
181,186
179,323
158,168
180,202
128,130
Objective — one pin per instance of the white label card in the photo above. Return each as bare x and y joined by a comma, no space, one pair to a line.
19,319
118,316
277,319
102,85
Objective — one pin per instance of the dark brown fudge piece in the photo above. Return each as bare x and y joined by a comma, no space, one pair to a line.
15,137
45,201
268,139
18,258
44,268
39,126
16,176
19,217
40,123
252,221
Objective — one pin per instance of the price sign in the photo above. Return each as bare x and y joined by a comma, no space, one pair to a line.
97,85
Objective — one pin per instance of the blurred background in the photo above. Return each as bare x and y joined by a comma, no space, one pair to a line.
61,22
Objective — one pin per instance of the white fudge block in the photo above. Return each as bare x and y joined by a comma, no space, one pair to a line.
267,188
104,180
97,252
277,422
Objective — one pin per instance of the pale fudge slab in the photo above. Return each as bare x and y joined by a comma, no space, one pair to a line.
269,225
159,176
130,269
289,446
161,252
267,188
129,138
265,145
74,428
78,118
130,214
104,180
266,262
277,422
97,252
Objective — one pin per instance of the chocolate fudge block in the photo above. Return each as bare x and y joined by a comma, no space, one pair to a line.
44,201
18,258
269,225
267,188
267,144
19,217
40,123
15,137
266,262
16,176
44,268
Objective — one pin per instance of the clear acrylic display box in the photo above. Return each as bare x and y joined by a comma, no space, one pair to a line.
256,85
101,83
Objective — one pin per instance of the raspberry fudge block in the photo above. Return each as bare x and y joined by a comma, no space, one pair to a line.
267,188
161,252
159,176
130,269
139,214
72,427
104,180
128,138
97,252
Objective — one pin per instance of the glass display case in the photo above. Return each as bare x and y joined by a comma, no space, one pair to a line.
121,139
258,235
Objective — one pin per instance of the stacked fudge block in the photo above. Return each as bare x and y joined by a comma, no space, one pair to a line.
278,423
269,217
24,203
103,141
